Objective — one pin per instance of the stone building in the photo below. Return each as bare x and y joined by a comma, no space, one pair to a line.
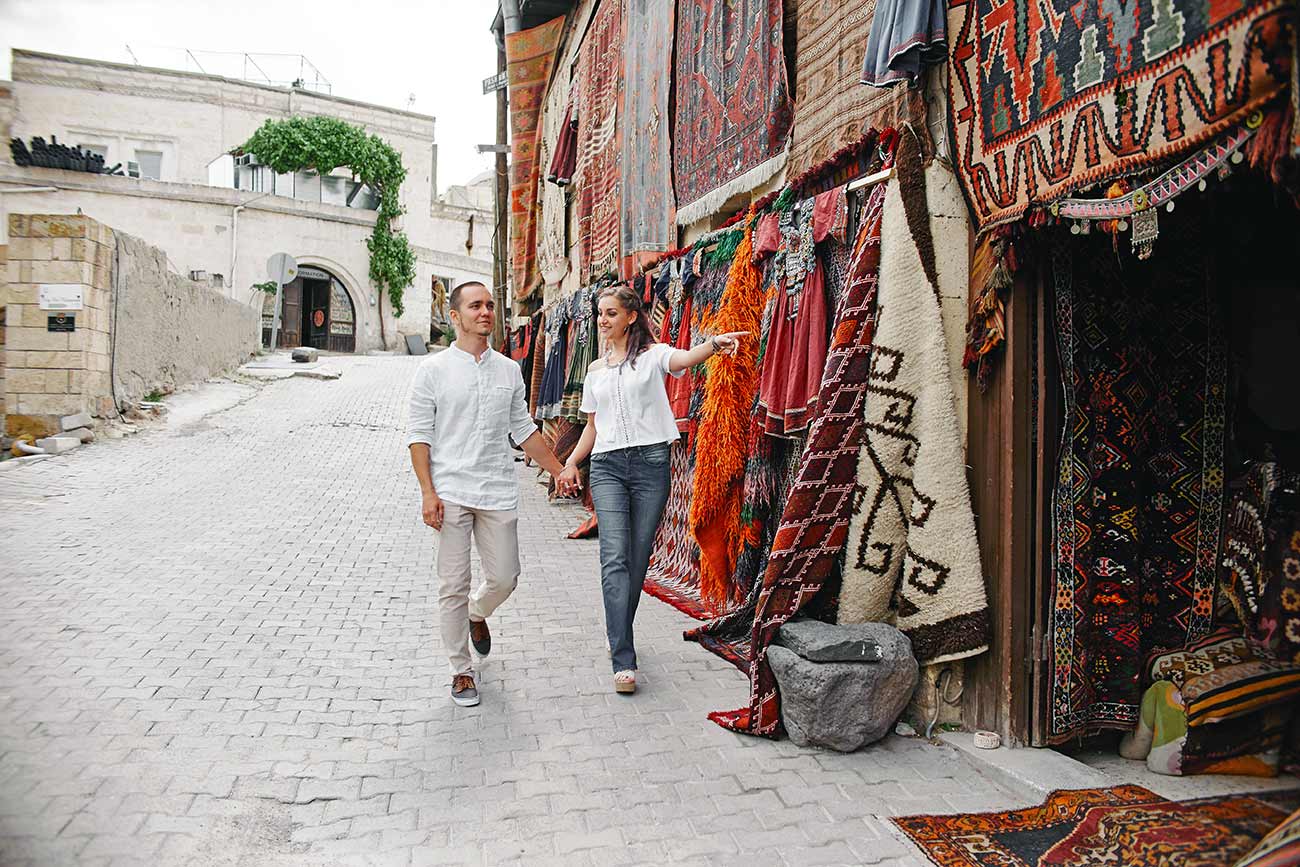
218,221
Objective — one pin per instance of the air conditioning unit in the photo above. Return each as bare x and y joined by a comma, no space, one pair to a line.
246,160
133,169
199,276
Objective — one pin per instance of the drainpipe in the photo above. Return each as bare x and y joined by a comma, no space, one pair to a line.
234,256
234,237
509,18
234,243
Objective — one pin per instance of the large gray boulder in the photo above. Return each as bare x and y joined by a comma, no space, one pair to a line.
844,705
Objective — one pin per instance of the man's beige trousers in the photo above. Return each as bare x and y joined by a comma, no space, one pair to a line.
496,533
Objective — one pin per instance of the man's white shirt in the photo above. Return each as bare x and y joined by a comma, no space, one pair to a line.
463,408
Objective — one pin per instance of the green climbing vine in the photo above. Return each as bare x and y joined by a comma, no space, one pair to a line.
326,143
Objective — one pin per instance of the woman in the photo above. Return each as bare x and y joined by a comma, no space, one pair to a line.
629,428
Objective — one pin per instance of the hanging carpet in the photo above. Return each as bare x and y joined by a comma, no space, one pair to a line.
559,150
912,557
833,107
599,72
814,523
673,575
530,56
733,113
1123,825
1138,500
1050,97
648,205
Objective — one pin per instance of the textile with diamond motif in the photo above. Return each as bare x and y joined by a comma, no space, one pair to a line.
1138,499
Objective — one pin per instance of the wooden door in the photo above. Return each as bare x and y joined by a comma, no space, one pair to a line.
315,311
1003,452
291,324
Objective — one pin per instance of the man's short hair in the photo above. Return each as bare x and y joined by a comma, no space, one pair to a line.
458,291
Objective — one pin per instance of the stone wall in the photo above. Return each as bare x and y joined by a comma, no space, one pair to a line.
173,331
170,330
51,374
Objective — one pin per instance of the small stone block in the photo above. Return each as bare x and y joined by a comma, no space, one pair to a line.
305,354
79,420
58,445
84,434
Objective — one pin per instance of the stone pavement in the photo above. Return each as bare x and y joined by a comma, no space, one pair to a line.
217,646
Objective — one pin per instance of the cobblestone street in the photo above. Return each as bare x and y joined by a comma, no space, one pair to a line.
217,646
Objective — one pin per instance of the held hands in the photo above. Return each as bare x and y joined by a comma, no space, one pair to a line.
431,510
569,482
729,343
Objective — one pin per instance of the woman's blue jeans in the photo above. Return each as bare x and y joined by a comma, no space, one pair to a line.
630,489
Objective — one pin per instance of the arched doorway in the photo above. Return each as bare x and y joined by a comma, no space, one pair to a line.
318,312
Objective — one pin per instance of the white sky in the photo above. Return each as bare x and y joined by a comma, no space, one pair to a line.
379,51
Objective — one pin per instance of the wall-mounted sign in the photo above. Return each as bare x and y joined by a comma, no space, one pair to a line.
318,318
62,322
306,272
493,83
60,296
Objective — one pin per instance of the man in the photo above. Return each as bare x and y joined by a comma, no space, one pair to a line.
464,402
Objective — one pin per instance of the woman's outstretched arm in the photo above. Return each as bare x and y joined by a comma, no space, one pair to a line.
727,344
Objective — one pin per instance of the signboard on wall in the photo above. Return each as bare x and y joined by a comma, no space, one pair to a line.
309,273
60,296
61,322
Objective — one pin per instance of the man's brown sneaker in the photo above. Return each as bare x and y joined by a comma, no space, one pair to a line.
480,637
463,691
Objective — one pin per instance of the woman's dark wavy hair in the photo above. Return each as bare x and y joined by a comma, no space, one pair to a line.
639,337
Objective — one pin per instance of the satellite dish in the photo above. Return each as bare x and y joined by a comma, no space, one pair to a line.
282,268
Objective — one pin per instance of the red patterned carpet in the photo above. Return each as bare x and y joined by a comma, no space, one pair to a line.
1124,825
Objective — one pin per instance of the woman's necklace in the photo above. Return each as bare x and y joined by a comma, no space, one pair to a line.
609,358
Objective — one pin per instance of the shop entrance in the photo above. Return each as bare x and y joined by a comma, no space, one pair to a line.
318,312
1142,435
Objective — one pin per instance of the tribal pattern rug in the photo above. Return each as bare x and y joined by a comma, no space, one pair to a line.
733,115
913,559
648,204
674,572
834,109
599,181
1053,96
1138,499
814,524
553,199
530,57
1121,825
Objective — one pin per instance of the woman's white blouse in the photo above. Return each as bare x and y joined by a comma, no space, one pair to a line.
631,403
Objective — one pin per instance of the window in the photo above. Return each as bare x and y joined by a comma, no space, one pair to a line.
306,186
334,190
150,163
